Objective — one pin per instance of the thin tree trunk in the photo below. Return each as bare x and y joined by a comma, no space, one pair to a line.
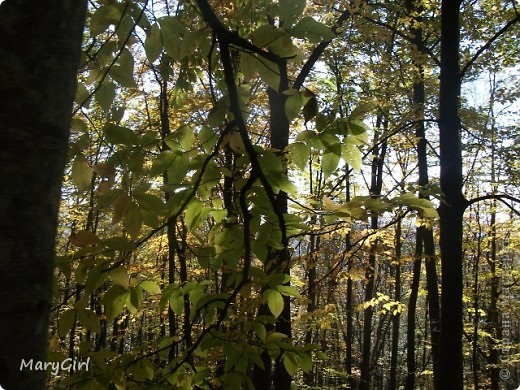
39,53
396,319
375,190
411,364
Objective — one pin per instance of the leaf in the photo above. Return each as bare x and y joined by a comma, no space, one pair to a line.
236,143
290,291
119,244
275,302
84,238
150,286
290,10
105,94
89,320
119,276
163,161
260,330
310,109
82,95
95,278
290,362
172,45
119,135
195,213
103,17
330,162
352,155
186,137
81,173
121,204
66,321
299,154
123,72
153,45
114,301
133,220
269,72
360,111
293,105
314,31
265,35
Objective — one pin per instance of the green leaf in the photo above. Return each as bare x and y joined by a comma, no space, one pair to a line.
119,244
89,319
172,45
162,162
293,105
305,362
186,137
177,303
123,72
150,202
269,72
290,10
119,135
119,276
195,214
299,154
360,111
150,286
153,45
105,95
114,301
289,291
134,299
260,330
310,109
314,31
81,173
275,302
290,362
66,321
352,155
330,161
95,278
133,220
103,17
82,95
265,35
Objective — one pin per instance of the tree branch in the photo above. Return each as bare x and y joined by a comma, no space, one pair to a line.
486,46
499,197
318,51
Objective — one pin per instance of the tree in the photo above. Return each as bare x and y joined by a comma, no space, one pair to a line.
39,54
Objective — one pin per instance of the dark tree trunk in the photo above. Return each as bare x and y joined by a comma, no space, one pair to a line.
425,233
39,54
411,364
375,191
452,208
396,319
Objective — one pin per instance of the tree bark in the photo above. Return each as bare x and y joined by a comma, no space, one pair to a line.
39,54
452,208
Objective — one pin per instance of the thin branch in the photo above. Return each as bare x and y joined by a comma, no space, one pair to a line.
499,197
486,46
318,51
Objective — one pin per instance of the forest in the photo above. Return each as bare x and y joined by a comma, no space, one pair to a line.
260,194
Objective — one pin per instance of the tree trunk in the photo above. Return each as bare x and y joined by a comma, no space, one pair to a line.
396,319
452,208
39,54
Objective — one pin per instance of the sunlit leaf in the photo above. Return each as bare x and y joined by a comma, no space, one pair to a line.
275,302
